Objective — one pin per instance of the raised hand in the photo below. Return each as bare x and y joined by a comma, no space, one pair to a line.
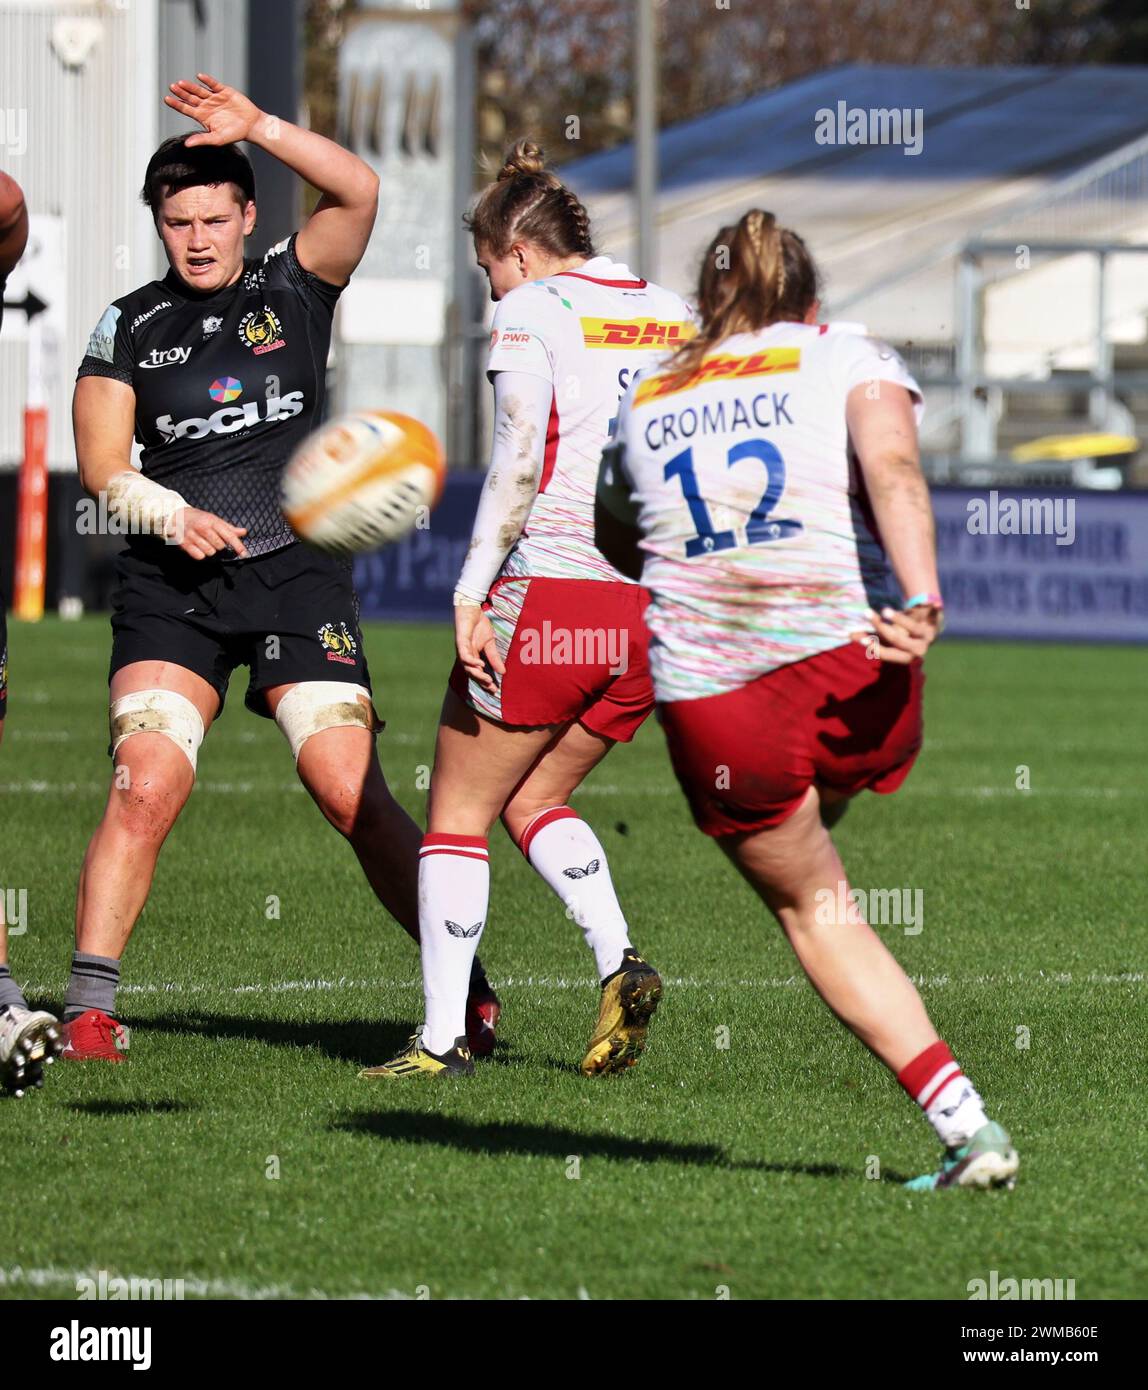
225,114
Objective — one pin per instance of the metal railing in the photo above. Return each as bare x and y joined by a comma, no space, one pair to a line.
1101,212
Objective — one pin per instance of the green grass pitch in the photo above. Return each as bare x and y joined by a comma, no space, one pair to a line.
709,1170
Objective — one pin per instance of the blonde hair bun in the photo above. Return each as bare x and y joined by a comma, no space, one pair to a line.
524,158
528,202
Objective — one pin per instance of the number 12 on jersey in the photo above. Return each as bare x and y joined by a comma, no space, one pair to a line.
759,530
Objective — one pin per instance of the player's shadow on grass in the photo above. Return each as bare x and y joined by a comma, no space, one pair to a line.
505,1138
366,1042
546,1141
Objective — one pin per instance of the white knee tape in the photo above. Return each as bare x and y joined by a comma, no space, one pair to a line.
158,712
317,705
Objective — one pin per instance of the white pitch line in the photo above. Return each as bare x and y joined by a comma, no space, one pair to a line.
560,983
37,788
1106,793
910,791
663,789
18,1277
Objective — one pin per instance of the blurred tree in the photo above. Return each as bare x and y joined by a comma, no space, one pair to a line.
560,70
557,70
1117,32
323,24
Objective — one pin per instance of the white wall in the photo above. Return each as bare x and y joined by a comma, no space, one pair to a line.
89,132
80,160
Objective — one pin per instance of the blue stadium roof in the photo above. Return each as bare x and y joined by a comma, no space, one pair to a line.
991,138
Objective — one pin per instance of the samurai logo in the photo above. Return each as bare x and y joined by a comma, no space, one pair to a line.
456,930
211,325
261,331
576,872
952,1110
339,645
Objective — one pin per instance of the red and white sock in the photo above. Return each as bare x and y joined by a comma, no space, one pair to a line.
949,1099
454,889
569,856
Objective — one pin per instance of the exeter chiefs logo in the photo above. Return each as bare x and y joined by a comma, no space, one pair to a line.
261,331
339,645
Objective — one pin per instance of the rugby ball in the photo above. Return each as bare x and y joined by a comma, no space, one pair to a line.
362,481
13,224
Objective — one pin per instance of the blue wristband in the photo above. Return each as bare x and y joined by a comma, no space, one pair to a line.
921,600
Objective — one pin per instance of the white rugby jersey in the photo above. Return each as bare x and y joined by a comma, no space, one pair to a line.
761,546
588,332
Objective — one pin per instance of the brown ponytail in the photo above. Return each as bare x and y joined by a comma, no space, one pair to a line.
526,202
754,274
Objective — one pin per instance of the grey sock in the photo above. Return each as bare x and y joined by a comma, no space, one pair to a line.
92,986
10,995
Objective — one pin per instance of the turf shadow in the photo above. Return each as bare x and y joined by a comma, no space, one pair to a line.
366,1042
827,1170
547,1141
505,1138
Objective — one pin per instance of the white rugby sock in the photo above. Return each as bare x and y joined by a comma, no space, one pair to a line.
948,1098
454,888
569,856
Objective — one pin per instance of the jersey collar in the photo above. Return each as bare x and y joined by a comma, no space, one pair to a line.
601,270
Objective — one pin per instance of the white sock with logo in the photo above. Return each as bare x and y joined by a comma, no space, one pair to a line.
956,1112
569,856
946,1095
454,889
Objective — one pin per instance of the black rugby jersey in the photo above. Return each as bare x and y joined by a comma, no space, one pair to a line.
227,384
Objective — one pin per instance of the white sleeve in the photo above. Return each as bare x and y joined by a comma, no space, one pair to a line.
521,418
522,333
860,359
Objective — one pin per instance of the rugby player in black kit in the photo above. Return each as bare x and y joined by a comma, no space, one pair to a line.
218,371
28,1037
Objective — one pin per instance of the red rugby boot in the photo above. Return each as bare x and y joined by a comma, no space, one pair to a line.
94,1037
482,1011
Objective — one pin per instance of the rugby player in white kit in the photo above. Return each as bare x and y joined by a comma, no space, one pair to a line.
765,485
551,669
